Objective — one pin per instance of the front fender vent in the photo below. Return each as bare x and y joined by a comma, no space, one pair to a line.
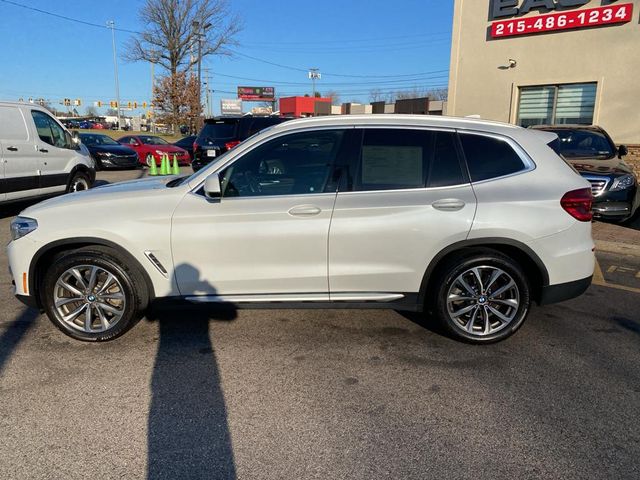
156,263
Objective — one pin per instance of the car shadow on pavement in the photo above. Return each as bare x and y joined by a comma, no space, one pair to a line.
14,333
188,433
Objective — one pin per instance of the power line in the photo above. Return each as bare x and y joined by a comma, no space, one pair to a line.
69,19
343,41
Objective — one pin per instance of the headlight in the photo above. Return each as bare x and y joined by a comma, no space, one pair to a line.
20,226
104,154
623,182
160,152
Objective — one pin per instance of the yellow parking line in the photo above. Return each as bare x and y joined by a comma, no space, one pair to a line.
598,279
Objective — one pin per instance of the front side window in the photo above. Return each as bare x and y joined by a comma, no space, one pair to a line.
296,164
489,157
401,158
557,104
48,129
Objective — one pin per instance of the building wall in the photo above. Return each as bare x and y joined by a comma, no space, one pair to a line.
482,83
300,106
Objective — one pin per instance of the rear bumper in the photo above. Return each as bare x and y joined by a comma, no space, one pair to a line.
564,291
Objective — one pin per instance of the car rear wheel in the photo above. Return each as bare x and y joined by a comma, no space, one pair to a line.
482,298
79,182
91,295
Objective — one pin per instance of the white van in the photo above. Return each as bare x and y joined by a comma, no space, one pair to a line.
39,156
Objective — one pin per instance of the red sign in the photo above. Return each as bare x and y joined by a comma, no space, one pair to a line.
563,21
257,94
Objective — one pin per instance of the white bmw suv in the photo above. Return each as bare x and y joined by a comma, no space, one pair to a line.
470,220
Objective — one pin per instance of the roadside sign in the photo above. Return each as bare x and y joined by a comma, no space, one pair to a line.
257,94
231,106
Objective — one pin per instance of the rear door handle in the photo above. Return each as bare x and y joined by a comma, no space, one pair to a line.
449,205
304,211
44,150
12,149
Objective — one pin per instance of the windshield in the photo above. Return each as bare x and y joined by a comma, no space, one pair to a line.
151,140
217,131
584,143
91,139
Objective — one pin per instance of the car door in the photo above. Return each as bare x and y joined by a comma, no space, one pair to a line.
407,196
267,234
19,155
56,156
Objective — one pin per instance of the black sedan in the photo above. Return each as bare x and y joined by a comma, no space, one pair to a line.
590,150
186,143
108,153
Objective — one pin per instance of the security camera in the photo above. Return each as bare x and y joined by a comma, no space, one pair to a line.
512,63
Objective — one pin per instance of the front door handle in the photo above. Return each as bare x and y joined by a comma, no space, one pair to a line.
449,205
304,211
12,149
44,150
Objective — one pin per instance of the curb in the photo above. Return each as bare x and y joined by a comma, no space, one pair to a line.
619,248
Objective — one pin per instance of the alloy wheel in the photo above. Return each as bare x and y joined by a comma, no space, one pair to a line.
89,298
483,300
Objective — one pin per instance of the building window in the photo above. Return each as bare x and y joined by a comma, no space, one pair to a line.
557,104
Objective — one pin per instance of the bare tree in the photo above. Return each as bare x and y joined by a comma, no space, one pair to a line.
334,96
170,36
91,111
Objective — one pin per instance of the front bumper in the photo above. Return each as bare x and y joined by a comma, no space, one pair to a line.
612,210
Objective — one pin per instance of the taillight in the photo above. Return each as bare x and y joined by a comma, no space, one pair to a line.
230,145
195,146
577,203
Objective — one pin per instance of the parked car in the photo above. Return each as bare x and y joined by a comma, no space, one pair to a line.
108,153
187,144
151,148
39,156
98,126
86,125
595,156
223,133
469,219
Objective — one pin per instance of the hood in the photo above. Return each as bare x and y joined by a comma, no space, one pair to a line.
169,148
597,166
99,198
116,149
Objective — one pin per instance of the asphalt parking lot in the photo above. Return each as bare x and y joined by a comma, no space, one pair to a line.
351,394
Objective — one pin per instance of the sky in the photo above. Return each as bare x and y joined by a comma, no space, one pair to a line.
357,45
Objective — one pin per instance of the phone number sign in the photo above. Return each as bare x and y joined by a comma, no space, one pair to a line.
591,17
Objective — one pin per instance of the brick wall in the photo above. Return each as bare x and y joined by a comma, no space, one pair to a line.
633,158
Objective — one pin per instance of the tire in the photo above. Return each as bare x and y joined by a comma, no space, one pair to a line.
79,182
150,159
501,296
115,301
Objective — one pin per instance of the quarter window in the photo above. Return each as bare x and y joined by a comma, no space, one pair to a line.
557,104
489,157
296,164
399,159
48,130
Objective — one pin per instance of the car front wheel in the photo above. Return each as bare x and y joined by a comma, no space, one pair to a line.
91,295
482,298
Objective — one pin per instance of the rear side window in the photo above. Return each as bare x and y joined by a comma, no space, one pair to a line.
12,125
489,157
399,159
217,131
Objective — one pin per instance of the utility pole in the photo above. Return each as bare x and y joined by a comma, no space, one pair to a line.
201,31
111,24
314,74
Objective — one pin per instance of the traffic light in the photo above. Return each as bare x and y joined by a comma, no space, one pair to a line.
128,104
144,104
113,104
77,102
135,104
67,102
98,104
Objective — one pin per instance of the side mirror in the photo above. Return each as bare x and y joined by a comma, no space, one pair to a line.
622,151
212,188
